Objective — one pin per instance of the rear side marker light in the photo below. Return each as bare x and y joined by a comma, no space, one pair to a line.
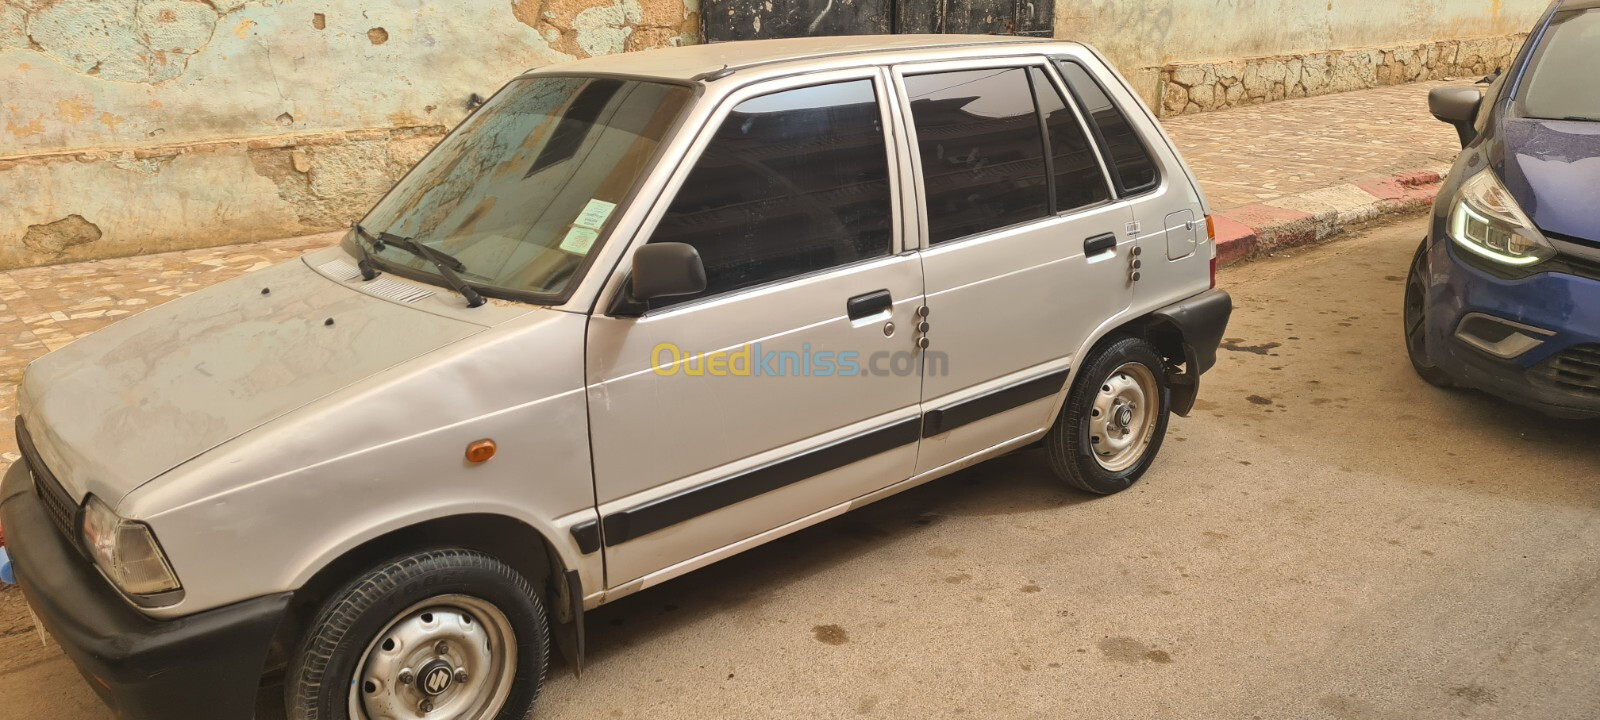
1211,234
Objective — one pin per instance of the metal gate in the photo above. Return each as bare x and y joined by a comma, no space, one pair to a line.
724,20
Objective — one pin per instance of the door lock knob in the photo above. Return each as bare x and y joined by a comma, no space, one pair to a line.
1137,251
888,329
1134,276
1138,264
922,327
922,311
922,342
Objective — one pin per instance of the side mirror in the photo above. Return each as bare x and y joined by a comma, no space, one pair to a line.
1457,105
667,270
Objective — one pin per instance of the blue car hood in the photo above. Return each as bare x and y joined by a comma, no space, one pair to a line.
1552,168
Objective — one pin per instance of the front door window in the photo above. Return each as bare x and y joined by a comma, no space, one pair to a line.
792,183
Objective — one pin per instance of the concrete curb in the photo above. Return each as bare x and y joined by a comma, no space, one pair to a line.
1310,217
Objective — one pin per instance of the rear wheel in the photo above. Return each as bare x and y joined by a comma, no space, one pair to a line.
1416,320
1116,414
439,634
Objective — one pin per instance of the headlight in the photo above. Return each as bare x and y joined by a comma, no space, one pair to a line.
1486,220
126,551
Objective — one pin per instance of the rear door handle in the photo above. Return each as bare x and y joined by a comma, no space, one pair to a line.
1099,244
868,304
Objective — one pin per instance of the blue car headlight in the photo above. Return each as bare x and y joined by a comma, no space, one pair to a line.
1486,220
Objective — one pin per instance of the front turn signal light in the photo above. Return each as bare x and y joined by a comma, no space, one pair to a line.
480,451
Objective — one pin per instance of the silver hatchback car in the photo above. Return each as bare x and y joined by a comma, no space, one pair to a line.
636,314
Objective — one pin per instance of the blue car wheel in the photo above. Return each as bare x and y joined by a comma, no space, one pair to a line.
1416,320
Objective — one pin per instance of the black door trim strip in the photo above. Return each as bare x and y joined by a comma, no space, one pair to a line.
972,410
664,512
587,535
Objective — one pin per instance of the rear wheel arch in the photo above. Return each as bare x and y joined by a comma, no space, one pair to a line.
1187,335
1159,331
506,539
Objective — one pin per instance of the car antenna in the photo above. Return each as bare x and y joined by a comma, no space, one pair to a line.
716,74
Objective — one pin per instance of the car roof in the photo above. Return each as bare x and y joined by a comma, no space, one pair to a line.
699,61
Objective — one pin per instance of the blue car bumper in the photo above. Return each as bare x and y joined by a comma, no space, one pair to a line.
1559,375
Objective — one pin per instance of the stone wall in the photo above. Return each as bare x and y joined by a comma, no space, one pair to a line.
1152,41
1203,86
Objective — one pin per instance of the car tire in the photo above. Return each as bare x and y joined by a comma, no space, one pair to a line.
389,638
1115,418
1415,320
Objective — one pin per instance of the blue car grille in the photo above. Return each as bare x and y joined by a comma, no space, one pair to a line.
1575,371
57,503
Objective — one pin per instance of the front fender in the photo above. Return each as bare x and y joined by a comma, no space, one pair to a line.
263,513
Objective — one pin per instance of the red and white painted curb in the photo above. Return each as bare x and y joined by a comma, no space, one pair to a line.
1313,216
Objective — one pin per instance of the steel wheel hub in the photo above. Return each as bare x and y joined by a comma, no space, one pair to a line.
452,657
1123,419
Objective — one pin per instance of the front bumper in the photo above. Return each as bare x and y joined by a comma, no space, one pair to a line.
206,665
1565,305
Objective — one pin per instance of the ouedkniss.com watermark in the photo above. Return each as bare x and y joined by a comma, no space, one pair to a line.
750,360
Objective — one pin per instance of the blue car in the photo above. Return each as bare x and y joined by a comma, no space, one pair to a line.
1504,294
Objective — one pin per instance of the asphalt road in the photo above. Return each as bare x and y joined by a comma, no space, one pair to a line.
1326,537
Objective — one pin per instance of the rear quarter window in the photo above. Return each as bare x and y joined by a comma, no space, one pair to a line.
1132,167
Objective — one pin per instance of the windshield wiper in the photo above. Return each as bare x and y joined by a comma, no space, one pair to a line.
364,263
426,252
448,264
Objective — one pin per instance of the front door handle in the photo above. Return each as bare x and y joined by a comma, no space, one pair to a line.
868,304
1099,244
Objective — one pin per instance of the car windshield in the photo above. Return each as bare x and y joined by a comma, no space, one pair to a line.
526,187
1561,85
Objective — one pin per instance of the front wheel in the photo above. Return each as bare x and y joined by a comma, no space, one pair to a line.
1114,420
439,634
1416,321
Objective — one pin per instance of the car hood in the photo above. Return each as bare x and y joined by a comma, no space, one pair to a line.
1552,168
119,407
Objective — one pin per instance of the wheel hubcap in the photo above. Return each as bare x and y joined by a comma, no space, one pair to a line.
452,657
1123,418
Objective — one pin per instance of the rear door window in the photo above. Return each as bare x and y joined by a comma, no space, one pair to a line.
1079,181
982,150
1132,167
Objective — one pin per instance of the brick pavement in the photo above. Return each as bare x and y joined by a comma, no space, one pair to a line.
1265,153
1278,174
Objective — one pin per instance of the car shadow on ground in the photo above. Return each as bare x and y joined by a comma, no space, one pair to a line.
1020,482
1017,483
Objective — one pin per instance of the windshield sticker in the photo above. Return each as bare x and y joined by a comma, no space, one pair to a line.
594,215
579,240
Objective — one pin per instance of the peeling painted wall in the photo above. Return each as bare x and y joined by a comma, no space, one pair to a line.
135,126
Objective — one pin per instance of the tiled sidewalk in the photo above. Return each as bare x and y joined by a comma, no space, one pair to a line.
1266,153
1249,160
